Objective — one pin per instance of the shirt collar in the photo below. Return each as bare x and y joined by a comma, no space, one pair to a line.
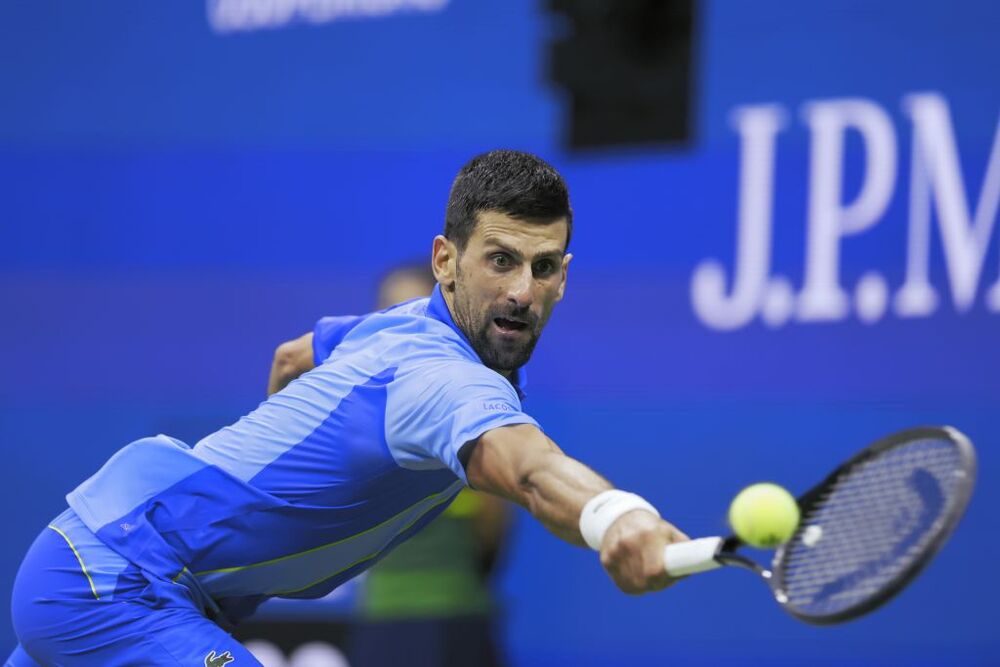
438,309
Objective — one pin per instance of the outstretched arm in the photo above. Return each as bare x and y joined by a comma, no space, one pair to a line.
291,359
522,464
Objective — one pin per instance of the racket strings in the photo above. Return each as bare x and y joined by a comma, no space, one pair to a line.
870,525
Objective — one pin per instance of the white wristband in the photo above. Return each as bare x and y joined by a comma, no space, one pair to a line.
604,509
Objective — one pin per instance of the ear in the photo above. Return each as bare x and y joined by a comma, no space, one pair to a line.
567,258
444,262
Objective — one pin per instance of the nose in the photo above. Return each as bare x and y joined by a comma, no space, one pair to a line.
519,287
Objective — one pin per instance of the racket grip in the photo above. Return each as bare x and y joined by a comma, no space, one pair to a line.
692,557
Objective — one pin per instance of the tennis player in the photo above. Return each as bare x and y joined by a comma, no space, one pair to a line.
168,544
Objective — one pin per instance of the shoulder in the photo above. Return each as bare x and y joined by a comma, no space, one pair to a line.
424,354
330,331
406,337
446,383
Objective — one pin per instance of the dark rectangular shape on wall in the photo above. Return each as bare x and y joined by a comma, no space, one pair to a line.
626,67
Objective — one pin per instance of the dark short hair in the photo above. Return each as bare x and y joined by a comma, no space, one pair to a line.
514,183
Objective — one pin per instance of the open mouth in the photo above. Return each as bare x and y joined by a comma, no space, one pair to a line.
509,326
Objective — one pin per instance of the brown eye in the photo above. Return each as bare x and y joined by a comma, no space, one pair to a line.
501,261
545,268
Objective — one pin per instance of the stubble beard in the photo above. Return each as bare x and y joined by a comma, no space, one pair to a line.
498,355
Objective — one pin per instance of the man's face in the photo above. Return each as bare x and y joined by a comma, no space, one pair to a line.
506,283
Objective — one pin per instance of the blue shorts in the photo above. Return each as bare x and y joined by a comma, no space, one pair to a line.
77,602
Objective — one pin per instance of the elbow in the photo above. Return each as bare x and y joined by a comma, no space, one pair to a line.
527,491
285,358
282,367
528,480
512,462
530,498
291,359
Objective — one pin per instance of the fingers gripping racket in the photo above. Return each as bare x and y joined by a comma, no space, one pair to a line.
866,530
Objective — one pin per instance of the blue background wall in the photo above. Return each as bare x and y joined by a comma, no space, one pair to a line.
175,202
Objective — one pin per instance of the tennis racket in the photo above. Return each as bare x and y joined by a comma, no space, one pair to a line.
866,530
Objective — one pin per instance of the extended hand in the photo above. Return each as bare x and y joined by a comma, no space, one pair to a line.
632,552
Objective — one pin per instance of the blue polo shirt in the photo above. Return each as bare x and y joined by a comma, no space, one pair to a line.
318,482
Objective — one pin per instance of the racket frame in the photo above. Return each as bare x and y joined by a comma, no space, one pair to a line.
808,500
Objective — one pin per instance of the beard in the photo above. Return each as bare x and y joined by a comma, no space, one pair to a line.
497,352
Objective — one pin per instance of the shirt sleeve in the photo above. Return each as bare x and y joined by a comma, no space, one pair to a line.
434,409
328,333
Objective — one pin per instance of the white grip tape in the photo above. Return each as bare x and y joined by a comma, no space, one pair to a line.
604,509
691,557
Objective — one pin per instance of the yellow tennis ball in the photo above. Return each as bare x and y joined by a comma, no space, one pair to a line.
764,515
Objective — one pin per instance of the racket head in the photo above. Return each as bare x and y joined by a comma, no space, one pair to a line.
873,524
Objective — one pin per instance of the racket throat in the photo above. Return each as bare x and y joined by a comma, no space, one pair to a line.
737,560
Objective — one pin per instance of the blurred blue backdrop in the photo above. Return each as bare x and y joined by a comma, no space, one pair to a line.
175,201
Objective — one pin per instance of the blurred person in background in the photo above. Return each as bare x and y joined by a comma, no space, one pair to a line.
428,603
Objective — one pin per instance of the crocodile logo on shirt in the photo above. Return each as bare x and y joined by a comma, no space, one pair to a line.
224,658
